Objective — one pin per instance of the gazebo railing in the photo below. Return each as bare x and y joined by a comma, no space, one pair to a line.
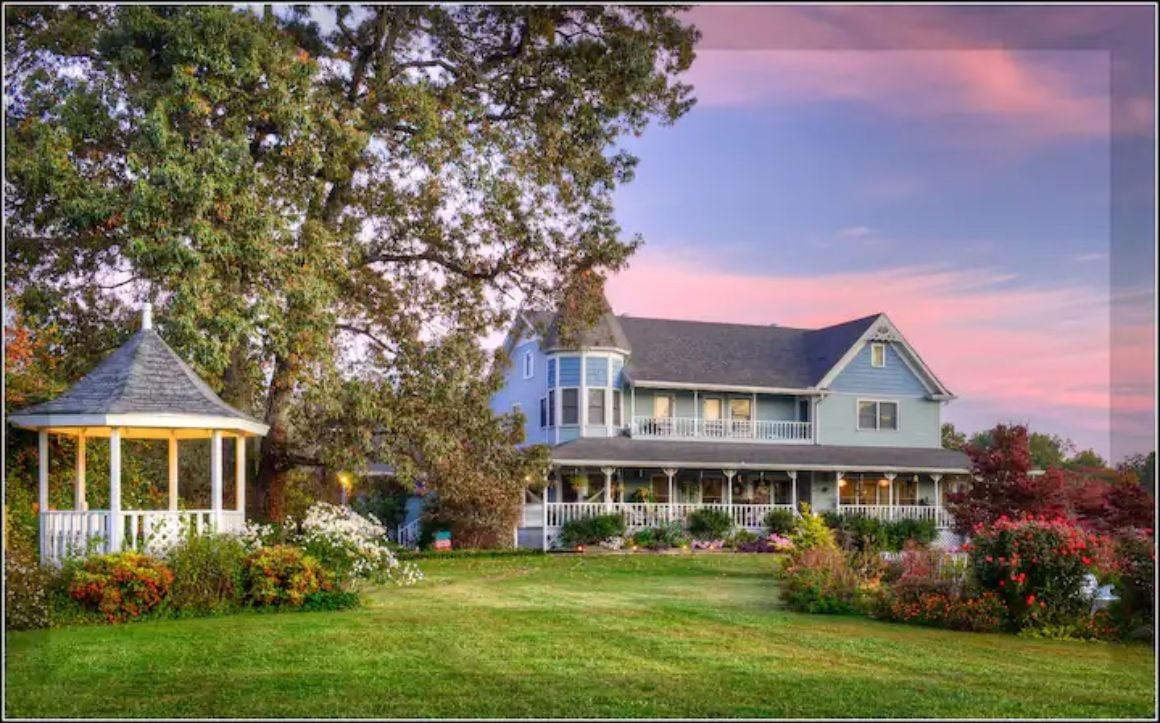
70,533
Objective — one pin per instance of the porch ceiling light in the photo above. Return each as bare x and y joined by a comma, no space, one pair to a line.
883,483
842,482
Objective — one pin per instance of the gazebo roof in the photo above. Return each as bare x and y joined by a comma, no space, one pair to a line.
146,389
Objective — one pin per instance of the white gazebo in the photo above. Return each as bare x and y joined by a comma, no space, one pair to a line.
141,391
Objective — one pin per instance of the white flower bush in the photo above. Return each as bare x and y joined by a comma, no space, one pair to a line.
352,546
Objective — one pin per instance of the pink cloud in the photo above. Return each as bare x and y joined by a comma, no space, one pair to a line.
1017,351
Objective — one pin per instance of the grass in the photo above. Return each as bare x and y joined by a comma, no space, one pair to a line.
568,636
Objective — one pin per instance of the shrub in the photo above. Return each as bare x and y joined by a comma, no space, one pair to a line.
707,523
779,522
352,547
770,543
740,537
869,534
984,613
810,531
1136,555
662,537
822,580
592,530
26,604
330,600
282,575
207,574
1036,567
899,532
121,586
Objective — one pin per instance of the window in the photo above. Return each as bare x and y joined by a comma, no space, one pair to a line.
529,365
877,415
551,408
878,355
803,410
518,408
596,406
663,406
711,408
570,401
741,409
543,412
617,421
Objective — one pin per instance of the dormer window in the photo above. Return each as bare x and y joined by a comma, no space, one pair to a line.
878,355
529,365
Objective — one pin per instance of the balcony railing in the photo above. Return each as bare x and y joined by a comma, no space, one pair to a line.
761,430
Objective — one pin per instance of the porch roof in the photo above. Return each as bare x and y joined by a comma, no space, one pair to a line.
626,452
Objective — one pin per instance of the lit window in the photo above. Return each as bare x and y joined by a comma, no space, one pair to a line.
878,355
877,415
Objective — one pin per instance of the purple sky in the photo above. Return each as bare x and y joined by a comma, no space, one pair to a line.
975,173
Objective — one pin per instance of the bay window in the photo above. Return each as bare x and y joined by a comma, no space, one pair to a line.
570,406
596,406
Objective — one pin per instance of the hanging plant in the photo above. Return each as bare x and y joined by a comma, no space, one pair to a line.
578,483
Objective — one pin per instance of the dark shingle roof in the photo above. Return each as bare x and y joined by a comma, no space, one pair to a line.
143,376
631,452
606,332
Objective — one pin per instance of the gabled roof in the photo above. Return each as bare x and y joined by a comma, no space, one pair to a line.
606,332
143,377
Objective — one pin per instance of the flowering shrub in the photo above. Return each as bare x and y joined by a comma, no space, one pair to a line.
811,531
1036,566
207,574
868,534
708,544
770,543
25,590
121,586
283,575
824,580
984,613
1136,557
352,547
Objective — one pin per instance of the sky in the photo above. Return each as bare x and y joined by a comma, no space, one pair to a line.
983,176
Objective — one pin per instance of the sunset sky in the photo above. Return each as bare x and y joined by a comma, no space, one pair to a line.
982,176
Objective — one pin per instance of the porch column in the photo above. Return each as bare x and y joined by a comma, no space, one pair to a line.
727,497
938,521
620,489
696,415
838,475
42,486
116,524
80,504
792,487
670,473
559,485
240,476
608,485
890,476
173,467
215,479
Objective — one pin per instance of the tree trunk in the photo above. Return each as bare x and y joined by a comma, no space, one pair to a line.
274,464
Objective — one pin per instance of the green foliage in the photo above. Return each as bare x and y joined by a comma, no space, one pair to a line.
324,600
1135,582
869,534
26,602
331,208
810,531
740,537
662,537
385,499
951,437
779,522
121,586
822,579
592,530
208,574
642,494
706,523
283,576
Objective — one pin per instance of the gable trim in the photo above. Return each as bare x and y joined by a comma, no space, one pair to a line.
910,357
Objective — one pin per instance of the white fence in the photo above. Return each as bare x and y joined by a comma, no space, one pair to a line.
899,512
762,430
71,533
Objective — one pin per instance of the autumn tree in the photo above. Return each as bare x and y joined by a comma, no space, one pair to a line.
951,437
330,206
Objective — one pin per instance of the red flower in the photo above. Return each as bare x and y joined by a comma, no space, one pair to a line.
1030,599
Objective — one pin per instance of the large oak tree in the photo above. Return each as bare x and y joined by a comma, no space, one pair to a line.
330,206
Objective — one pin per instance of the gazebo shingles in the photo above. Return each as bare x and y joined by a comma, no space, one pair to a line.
143,376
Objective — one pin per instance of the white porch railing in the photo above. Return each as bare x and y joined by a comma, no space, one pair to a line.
652,514
761,430
70,533
408,535
900,512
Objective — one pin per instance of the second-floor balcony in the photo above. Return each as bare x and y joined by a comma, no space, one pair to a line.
760,430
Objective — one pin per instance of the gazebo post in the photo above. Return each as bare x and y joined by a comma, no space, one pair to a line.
240,475
116,524
79,502
215,480
173,467
42,484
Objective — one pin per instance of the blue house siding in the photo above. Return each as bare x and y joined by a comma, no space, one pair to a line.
525,392
894,378
918,422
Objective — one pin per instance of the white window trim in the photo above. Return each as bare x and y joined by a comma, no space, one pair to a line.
579,406
877,415
729,407
875,346
529,365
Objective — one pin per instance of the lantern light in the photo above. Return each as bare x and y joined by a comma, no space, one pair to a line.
842,482
883,483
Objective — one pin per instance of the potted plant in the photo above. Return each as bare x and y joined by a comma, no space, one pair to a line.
579,485
641,494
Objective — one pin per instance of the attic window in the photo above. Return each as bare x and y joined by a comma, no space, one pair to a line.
878,355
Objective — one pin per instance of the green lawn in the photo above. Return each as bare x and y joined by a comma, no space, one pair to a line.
568,636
